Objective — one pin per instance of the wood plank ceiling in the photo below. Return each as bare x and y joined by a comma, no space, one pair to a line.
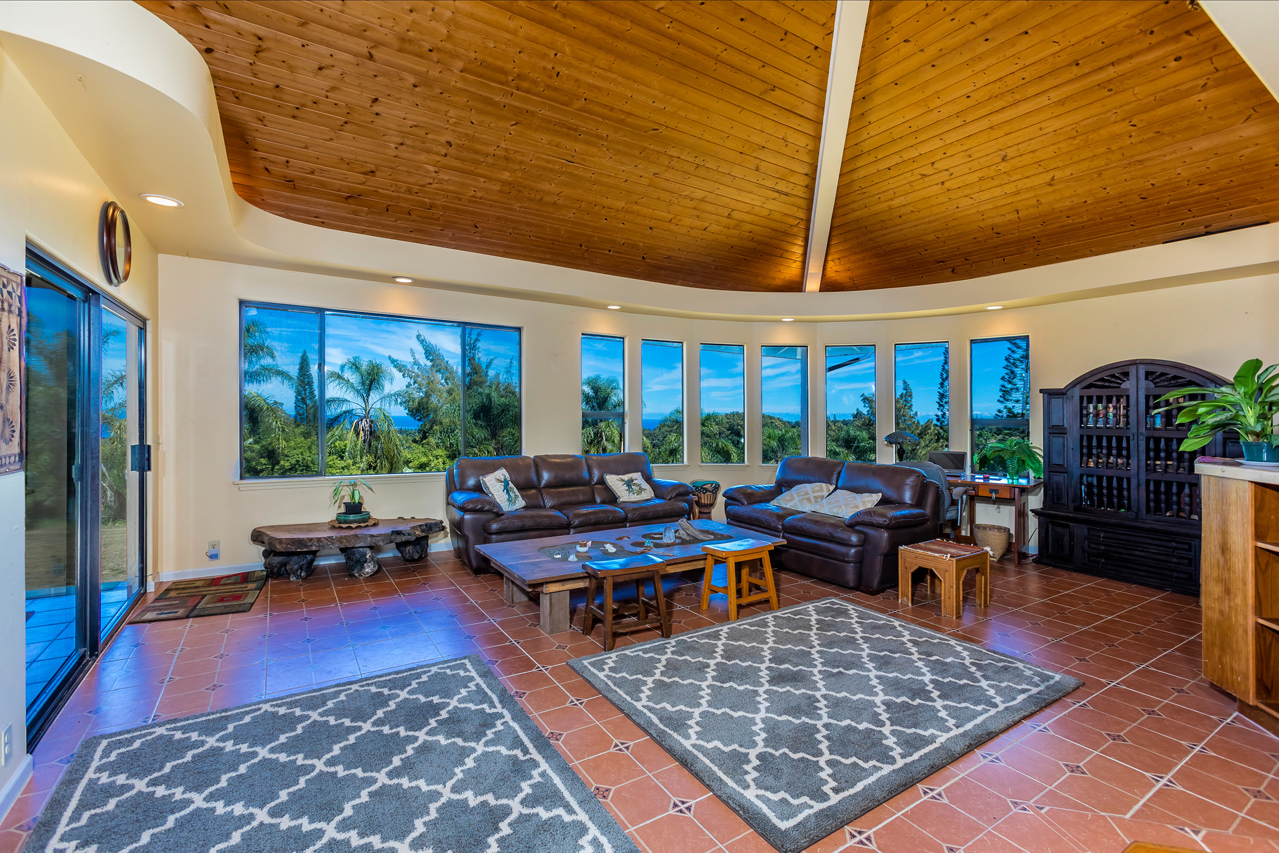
668,141
993,136
676,141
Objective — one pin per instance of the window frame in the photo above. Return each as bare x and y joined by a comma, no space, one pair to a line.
701,411
605,415
993,423
321,390
683,396
949,384
874,384
803,398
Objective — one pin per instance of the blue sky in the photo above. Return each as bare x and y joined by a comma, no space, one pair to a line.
988,369
846,385
661,379
723,378
782,380
920,365
604,356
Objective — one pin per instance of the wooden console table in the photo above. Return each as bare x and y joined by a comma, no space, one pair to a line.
1239,583
290,549
997,489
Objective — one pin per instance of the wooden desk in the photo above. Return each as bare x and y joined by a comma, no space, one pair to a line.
997,489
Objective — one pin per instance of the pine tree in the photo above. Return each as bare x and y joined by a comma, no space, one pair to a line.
1014,385
943,391
305,404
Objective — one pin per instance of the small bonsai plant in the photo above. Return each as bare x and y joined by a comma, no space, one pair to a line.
1247,405
349,494
1014,456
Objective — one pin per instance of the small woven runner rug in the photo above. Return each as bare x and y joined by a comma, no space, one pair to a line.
203,597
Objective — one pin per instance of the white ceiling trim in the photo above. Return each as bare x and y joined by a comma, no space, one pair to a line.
845,56
1252,26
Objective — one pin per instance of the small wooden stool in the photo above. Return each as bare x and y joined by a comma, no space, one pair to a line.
640,569
950,562
739,551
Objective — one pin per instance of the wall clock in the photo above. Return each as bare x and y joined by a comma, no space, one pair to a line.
116,243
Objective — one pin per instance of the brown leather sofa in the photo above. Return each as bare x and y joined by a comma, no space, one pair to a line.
564,494
859,551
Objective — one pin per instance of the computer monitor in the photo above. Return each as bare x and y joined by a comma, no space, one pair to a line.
951,461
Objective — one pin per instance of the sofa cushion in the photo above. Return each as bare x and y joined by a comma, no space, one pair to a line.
891,516
897,485
599,464
827,549
760,516
815,525
562,480
842,504
804,497
651,509
594,515
529,518
796,470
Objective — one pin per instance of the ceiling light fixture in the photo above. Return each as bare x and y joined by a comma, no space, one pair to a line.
162,200
788,319
402,279
615,307
994,307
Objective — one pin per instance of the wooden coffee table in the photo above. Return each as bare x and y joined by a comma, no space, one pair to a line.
290,549
529,572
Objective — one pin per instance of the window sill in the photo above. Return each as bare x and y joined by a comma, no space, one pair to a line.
274,483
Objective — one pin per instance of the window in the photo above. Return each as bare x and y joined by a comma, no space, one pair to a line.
850,403
723,392
662,401
922,405
1000,393
337,393
783,387
603,394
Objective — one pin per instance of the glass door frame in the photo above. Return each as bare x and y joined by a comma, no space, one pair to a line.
90,640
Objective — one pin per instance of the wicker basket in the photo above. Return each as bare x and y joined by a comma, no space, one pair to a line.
706,495
994,537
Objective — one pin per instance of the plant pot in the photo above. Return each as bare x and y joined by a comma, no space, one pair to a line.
1259,451
353,508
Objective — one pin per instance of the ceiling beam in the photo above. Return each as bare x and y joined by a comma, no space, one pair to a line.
845,55
1252,26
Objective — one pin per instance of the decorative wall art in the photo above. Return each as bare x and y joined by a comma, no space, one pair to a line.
12,318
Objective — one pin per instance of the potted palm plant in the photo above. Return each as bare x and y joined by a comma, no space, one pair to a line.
1015,456
1248,405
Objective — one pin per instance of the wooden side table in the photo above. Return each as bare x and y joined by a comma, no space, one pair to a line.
290,549
740,552
950,562
641,569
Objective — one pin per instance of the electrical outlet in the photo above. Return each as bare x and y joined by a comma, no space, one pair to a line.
6,745
215,550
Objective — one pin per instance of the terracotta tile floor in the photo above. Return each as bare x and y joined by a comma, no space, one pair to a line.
1147,750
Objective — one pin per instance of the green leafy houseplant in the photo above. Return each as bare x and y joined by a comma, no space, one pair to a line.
1247,405
349,492
1015,456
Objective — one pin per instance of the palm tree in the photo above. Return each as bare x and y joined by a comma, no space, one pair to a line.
372,439
264,417
600,435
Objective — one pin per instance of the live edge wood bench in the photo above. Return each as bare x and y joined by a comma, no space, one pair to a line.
290,549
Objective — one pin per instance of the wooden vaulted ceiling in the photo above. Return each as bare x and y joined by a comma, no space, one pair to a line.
677,140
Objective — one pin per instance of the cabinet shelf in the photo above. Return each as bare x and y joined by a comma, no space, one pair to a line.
1269,546
1272,624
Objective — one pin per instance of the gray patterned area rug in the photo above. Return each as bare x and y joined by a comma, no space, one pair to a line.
805,718
437,758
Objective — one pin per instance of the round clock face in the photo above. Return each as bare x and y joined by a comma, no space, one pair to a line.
117,247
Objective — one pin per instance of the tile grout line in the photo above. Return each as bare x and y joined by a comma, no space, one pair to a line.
1170,773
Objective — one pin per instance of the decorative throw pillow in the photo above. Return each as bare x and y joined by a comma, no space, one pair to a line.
804,497
499,487
629,488
842,504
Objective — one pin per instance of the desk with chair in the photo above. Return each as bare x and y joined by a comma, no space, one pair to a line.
995,489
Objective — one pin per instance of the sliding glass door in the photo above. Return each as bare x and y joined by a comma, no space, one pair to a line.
85,478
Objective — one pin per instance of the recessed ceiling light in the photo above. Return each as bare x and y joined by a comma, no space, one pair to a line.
162,200
402,279
788,319
615,307
994,307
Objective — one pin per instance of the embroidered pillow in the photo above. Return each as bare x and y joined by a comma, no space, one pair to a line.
804,497
842,504
499,487
629,488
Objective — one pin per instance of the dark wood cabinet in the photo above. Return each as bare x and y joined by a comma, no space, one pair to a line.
1121,500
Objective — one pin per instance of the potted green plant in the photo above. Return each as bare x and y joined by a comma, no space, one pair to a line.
1247,405
1014,456
350,493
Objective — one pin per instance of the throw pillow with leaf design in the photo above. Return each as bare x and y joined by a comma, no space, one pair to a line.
499,487
629,488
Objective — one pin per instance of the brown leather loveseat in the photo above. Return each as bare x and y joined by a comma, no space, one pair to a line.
859,551
564,494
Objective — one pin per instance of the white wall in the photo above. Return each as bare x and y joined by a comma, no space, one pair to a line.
1214,326
51,197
